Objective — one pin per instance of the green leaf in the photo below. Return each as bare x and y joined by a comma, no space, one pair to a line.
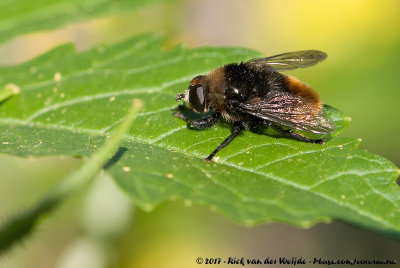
24,16
69,103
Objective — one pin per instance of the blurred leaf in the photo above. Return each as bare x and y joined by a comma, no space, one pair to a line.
24,16
21,224
69,103
8,91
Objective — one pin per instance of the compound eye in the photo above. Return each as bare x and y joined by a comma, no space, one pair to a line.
196,98
200,95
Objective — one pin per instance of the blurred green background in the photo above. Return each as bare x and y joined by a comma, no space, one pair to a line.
360,77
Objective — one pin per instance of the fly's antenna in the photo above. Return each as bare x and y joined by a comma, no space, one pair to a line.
179,97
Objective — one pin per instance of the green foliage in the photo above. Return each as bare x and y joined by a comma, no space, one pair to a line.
24,16
70,102
22,223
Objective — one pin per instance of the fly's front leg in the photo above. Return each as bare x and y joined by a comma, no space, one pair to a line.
182,116
200,123
205,122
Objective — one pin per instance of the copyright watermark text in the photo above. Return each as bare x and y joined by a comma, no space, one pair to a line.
292,261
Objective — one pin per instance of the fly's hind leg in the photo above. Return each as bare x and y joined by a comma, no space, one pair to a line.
296,135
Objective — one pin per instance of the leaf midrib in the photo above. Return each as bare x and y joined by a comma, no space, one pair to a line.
161,145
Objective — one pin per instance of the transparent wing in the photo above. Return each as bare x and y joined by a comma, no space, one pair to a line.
289,110
291,60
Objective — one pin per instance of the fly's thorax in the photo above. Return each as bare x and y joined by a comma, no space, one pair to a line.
215,85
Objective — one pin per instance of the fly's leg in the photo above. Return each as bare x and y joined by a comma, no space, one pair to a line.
296,135
237,127
201,123
182,116
205,122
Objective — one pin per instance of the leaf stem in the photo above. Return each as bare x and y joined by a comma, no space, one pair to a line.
8,91
20,225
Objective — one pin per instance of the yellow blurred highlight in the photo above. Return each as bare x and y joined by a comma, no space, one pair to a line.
298,23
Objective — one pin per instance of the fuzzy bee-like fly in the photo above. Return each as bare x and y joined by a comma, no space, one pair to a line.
255,93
